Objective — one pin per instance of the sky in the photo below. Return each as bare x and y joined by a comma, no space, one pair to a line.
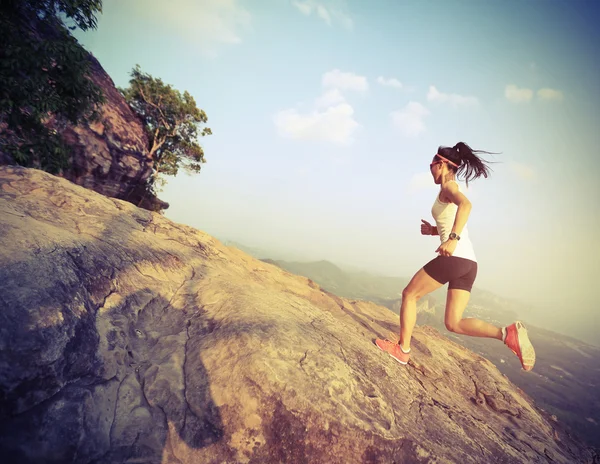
325,116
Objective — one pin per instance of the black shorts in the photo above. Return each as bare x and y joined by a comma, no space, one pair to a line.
460,272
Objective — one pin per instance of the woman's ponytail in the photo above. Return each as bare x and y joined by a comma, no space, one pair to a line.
470,166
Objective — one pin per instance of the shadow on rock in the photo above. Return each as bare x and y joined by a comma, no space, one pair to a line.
99,357
125,382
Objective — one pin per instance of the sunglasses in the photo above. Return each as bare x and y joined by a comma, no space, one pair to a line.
434,163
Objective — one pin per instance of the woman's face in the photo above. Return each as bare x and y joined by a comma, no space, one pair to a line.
436,168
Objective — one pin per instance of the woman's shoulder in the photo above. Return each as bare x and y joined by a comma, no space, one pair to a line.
446,191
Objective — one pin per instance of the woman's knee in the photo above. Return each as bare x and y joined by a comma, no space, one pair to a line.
453,325
410,294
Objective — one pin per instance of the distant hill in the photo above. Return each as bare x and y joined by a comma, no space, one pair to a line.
252,251
360,285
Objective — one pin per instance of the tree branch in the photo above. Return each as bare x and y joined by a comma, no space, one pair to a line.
156,145
167,125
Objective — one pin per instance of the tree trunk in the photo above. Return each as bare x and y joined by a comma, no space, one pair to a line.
156,145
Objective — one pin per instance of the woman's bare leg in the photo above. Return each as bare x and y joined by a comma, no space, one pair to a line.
420,285
456,302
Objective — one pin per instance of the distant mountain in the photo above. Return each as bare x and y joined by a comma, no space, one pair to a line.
360,285
291,257
252,251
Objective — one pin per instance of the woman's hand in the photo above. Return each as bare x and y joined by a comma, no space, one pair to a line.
447,248
426,228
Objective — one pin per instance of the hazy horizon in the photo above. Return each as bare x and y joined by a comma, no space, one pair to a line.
326,114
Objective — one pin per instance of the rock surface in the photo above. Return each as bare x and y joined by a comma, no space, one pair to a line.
125,337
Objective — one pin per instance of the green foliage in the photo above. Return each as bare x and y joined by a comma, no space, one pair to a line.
43,75
172,121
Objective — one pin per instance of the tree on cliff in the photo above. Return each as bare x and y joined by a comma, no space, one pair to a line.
172,122
43,75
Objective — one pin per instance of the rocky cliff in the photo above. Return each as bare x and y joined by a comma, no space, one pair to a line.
125,337
109,156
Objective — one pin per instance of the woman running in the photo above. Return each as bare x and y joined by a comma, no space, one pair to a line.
456,262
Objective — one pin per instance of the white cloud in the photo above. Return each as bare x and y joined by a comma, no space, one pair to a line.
410,119
434,95
304,7
208,23
328,10
549,94
330,98
334,124
390,82
517,95
344,80
332,119
523,171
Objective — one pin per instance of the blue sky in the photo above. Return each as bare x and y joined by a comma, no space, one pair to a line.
325,116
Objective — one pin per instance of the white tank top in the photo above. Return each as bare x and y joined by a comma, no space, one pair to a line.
444,215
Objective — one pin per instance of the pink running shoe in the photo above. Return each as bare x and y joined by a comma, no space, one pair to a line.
393,349
518,341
